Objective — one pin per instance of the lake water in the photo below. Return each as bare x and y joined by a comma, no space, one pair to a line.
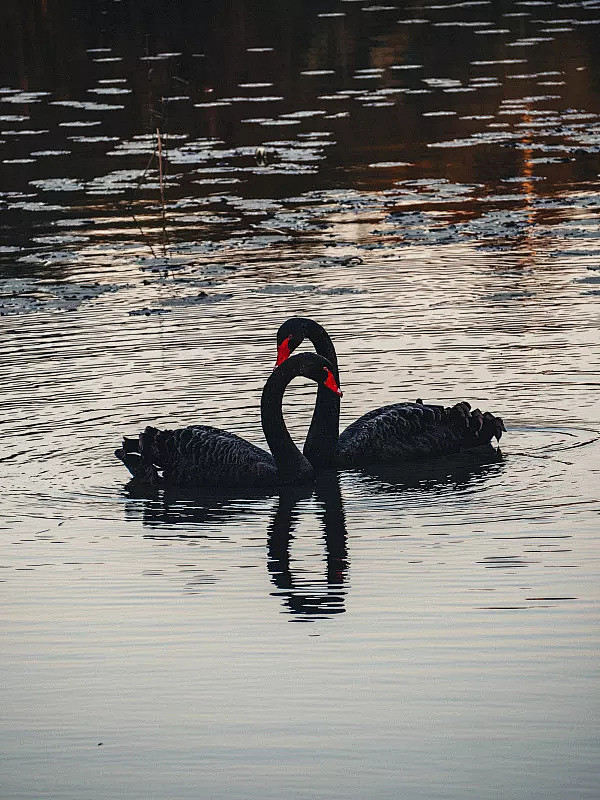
421,179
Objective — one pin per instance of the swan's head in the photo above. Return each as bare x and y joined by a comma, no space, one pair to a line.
290,336
316,368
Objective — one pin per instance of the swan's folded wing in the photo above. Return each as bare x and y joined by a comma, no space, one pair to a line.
405,431
207,456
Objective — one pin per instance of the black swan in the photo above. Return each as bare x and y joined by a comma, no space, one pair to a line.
390,434
200,455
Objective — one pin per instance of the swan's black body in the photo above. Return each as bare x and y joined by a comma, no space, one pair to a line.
406,431
200,455
390,434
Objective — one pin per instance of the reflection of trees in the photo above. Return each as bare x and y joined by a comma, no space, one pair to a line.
44,45
41,39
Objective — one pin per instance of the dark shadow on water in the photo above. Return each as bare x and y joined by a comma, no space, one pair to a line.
169,516
166,509
433,475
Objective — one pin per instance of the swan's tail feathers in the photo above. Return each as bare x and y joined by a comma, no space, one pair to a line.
476,422
131,445
488,427
131,460
494,425
141,469
148,441
479,427
460,415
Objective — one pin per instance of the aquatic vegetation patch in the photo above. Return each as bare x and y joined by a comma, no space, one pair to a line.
109,90
93,139
122,179
23,98
48,153
19,296
35,207
148,312
23,132
60,239
58,184
87,105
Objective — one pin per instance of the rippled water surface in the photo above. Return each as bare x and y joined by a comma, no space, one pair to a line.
176,179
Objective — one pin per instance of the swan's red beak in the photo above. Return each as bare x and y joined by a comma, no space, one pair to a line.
330,383
283,351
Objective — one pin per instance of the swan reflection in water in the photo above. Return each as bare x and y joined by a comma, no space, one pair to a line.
172,515
303,596
433,476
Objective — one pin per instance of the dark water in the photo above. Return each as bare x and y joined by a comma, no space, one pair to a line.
423,180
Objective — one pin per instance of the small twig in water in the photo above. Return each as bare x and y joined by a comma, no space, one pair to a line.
162,191
129,208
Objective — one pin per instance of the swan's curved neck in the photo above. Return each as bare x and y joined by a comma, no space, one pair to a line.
292,466
322,437
322,344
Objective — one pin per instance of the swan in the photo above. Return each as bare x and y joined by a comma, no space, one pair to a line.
201,455
391,434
